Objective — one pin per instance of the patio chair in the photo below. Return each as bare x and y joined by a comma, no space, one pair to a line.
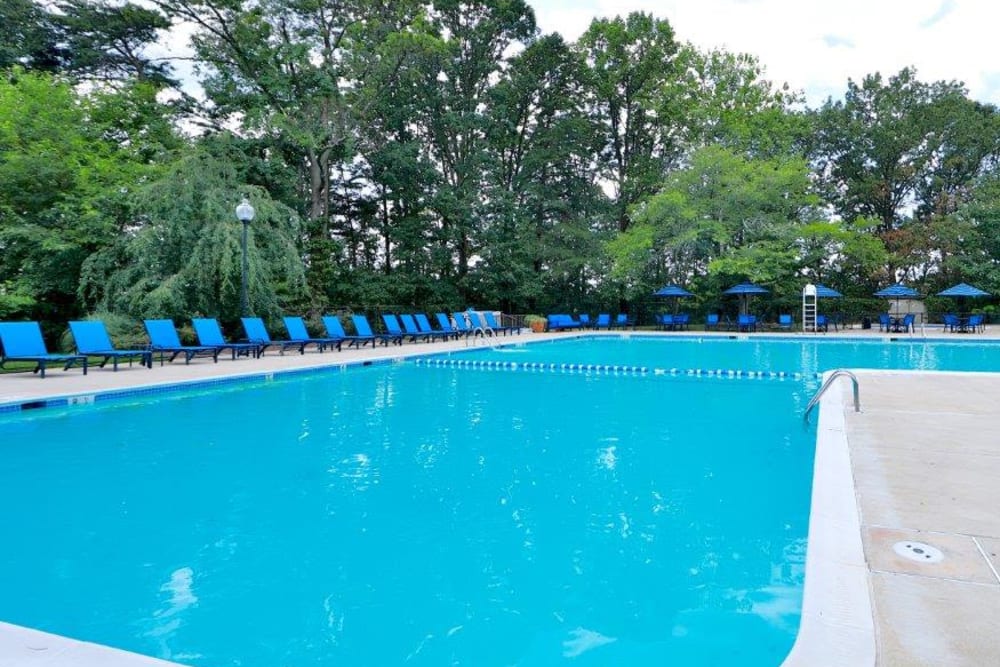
257,333
424,325
712,321
977,323
364,329
603,321
785,322
297,332
822,323
91,338
907,325
562,322
491,322
664,321
682,321
951,322
463,326
22,341
584,321
414,331
335,329
163,338
209,334
747,323
621,320
884,322
446,325
477,324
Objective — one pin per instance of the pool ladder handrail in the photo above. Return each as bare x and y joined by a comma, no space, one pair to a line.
826,385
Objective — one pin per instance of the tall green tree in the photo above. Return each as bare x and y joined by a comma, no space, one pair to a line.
66,172
898,145
184,256
629,61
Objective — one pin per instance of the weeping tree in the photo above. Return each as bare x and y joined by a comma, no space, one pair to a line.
183,256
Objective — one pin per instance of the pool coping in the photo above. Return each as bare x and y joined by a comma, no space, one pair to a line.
836,626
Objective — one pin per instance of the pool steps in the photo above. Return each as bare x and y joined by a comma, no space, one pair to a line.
612,369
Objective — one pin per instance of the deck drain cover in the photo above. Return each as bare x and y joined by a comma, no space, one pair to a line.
918,551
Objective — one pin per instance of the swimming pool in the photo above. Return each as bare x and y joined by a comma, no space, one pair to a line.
807,356
418,515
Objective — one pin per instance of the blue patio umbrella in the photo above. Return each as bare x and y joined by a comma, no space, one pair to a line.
962,291
673,292
897,292
745,290
824,292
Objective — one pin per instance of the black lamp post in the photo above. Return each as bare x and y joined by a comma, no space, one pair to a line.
244,212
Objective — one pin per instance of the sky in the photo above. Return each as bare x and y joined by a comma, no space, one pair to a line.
817,45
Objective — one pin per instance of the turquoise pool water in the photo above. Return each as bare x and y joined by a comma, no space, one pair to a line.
411,515
751,353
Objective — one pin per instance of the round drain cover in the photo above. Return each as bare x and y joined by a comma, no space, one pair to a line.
918,551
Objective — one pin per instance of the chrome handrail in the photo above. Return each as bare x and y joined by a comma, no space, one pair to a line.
833,376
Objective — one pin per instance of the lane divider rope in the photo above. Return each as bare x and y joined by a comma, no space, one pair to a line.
536,366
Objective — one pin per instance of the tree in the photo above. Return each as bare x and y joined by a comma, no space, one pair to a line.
106,41
183,256
900,145
64,182
629,61
723,214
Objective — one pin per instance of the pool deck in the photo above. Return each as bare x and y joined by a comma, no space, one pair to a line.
920,463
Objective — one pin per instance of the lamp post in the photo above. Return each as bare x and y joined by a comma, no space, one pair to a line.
244,212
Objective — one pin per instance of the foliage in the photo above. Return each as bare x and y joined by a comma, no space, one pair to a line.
440,155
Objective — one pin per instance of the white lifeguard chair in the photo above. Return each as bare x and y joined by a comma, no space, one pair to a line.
809,308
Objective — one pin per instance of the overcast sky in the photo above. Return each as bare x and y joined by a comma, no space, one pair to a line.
817,45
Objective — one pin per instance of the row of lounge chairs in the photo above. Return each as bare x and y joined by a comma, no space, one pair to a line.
563,322
22,341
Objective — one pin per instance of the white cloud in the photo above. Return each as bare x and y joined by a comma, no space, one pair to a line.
817,45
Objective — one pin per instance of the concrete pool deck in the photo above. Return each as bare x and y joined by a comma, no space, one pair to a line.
920,463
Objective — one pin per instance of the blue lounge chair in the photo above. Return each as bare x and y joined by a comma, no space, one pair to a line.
477,324
393,328
711,321
463,326
584,321
445,323
364,329
603,321
92,339
415,332
425,325
257,333
297,332
22,341
209,334
491,322
822,323
681,321
562,322
336,330
163,338
785,322
621,320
